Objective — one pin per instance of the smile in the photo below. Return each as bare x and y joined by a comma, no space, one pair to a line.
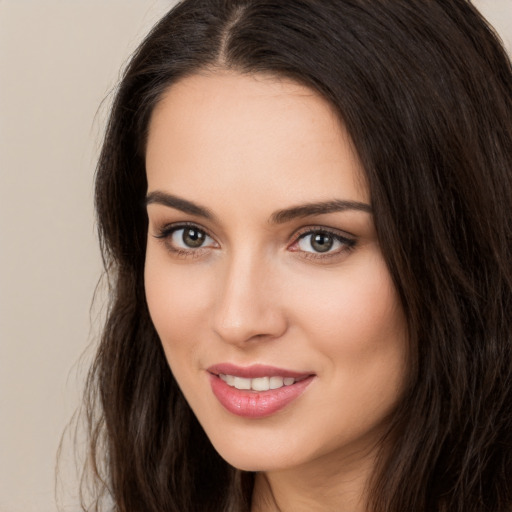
257,391
259,383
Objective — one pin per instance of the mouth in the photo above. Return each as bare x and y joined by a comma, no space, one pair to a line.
256,391
259,383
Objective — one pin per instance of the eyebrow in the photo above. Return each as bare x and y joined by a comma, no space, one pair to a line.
279,217
178,204
321,208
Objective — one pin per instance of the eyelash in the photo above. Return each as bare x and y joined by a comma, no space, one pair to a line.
347,244
165,233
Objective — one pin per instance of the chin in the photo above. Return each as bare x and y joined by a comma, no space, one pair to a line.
261,462
261,453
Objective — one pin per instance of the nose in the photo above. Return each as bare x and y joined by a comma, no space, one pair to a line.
249,305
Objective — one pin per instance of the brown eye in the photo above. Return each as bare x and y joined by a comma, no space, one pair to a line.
187,238
193,237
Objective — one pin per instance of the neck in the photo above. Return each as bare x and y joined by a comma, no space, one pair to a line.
340,487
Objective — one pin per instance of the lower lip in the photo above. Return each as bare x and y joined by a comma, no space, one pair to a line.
256,404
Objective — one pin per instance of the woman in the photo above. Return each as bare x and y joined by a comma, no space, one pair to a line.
305,211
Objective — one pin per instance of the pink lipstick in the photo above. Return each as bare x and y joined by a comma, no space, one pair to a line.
256,391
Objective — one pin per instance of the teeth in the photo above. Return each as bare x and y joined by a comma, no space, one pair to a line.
276,382
241,383
257,384
228,379
260,384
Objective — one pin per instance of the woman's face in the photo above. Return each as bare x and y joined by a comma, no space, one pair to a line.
264,277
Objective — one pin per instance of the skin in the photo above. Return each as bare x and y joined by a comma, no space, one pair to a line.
258,292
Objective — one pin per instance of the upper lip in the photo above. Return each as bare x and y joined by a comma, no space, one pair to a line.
254,371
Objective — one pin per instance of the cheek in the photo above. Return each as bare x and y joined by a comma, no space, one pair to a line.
356,321
177,298
357,302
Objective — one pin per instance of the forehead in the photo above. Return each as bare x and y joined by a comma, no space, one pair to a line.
254,132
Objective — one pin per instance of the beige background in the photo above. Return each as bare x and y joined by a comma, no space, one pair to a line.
58,61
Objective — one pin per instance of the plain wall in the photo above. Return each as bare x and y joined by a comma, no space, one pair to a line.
58,61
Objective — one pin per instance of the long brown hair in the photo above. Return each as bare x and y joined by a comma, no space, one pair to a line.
425,90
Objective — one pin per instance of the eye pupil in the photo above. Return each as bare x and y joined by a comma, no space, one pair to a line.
322,242
192,237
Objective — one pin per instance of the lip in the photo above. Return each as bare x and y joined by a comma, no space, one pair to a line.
256,404
254,371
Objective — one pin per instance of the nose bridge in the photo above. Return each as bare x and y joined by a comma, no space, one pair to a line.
247,305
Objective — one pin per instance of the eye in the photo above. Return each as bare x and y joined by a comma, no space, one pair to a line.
189,238
185,239
319,242
322,243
